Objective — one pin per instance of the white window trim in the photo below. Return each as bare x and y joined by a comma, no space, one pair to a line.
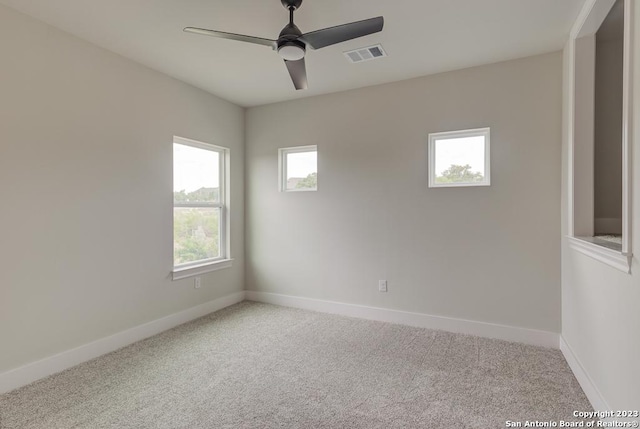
282,166
588,22
203,268
195,268
484,132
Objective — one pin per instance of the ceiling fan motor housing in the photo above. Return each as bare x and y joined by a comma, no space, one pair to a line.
289,47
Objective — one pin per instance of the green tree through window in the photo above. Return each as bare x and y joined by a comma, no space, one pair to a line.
309,182
459,173
196,230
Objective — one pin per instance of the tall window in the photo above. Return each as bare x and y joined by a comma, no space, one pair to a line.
199,210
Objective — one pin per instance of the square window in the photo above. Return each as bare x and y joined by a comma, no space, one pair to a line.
459,158
298,168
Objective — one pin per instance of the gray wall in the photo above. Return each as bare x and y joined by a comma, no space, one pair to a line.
86,190
600,317
488,254
608,135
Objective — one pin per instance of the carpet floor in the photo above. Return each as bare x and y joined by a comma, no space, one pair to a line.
262,366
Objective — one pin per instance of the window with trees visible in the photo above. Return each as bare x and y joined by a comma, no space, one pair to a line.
298,168
459,158
199,209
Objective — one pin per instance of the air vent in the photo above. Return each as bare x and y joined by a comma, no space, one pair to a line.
365,54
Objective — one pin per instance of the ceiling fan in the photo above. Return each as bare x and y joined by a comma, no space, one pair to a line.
292,44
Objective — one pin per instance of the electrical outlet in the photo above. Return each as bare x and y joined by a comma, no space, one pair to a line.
198,282
382,285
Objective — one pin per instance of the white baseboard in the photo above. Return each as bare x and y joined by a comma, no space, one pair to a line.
481,329
588,386
31,372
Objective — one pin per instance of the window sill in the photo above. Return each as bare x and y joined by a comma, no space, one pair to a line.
613,258
186,272
459,185
300,190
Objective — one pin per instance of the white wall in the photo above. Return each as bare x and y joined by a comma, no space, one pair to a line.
600,317
86,191
486,254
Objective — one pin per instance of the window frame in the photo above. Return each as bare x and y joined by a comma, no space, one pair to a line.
189,269
282,166
449,135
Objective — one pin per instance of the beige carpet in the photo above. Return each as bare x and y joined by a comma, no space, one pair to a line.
261,366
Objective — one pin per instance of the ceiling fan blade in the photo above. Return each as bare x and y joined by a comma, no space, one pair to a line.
298,72
232,36
341,33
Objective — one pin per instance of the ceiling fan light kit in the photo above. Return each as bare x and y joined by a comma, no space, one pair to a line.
292,44
291,52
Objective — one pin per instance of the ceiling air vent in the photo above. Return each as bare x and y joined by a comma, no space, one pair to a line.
365,54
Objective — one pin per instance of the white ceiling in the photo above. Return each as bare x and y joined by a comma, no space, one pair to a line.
421,37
